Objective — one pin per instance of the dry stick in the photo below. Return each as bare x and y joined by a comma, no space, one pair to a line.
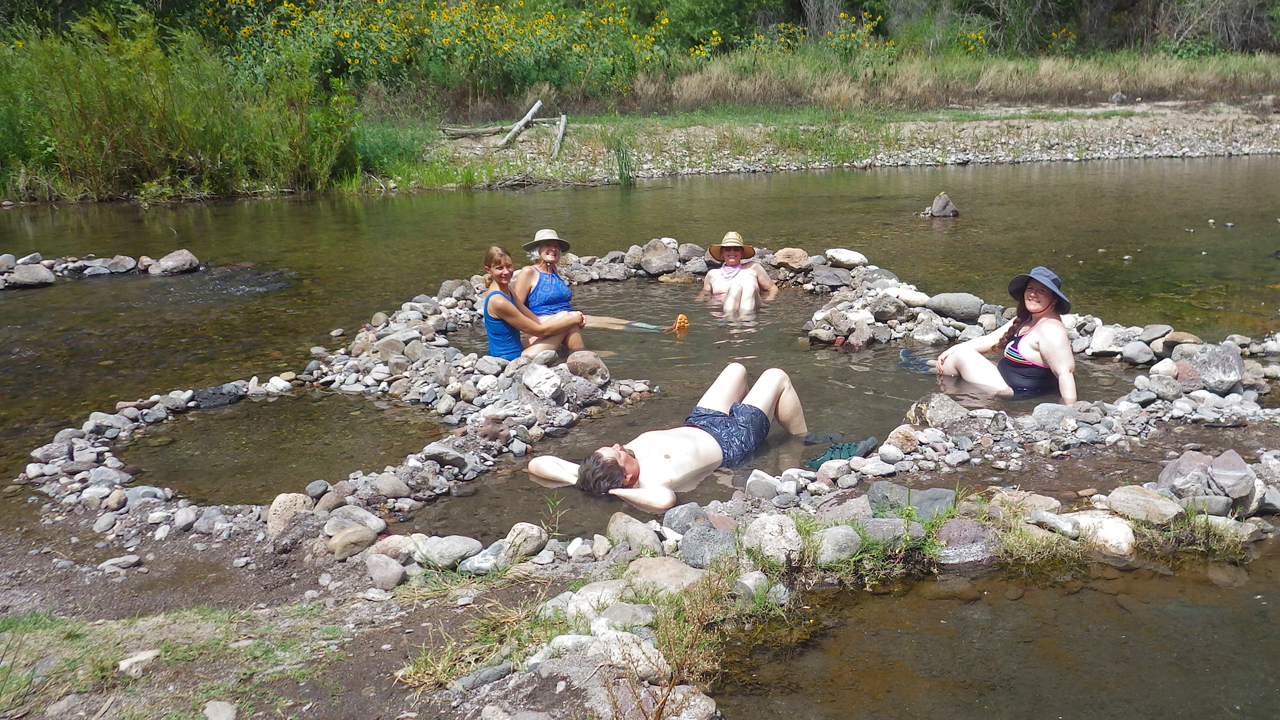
515,129
564,121
492,130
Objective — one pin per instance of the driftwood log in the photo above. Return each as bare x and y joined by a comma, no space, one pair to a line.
492,130
520,126
564,121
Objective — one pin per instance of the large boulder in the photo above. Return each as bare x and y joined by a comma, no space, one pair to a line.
524,540
959,305
791,258
775,537
351,540
175,263
659,259
542,381
702,544
1187,476
887,307
30,276
1230,475
1105,532
832,277
836,544
446,552
1110,340
624,528
1219,366
943,207
843,258
282,511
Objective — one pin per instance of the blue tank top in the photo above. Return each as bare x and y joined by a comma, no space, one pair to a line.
549,295
504,340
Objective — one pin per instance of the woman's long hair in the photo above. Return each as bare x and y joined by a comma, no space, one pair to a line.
1020,321
494,254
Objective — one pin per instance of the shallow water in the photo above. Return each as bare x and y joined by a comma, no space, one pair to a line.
1142,645
290,270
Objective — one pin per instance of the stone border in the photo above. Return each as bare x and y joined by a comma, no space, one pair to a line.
33,270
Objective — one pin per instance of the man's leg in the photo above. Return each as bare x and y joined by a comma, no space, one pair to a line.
730,387
774,394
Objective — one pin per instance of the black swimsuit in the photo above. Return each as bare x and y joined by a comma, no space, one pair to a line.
1025,377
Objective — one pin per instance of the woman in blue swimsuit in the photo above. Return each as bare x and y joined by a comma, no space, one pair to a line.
1037,357
504,321
540,289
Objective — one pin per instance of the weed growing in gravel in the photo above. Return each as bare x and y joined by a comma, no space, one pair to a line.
1190,534
1040,558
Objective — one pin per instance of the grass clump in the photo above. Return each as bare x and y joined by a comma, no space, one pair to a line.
1192,534
1025,555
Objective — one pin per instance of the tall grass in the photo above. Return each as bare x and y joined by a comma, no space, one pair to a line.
109,110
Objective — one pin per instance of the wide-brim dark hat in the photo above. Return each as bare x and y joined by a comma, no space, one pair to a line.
1046,277
731,240
545,236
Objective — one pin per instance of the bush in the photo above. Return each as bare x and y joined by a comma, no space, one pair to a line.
109,110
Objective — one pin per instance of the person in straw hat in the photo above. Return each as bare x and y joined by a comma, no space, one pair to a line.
740,282
541,290
1037,357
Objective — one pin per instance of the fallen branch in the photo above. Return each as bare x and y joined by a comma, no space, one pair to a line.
520,126
492,130
564,121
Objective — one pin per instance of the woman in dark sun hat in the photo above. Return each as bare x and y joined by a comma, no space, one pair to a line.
1037,357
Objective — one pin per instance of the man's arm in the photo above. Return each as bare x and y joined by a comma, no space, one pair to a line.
554,469
653,499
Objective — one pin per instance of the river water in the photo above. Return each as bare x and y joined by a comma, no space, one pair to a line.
288,271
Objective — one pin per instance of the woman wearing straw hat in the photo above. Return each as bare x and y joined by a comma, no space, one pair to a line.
1037,355
540,289
739,283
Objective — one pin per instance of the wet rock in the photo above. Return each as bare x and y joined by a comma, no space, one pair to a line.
1228,576
624,528
837,543
936,410
848,259
282,510
886,497
1151,333
351,540
29,276
385,572
218,396
831,277
952,588
966,544
1138,503
658,259
121,264
943,207
961,306
761,484
175,263
683,517
664,575
522,541
775,537
588,365
446,552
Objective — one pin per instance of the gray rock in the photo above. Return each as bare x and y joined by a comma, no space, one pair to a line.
218,396
1152,333
843,258
25,276
220,710
943,207
664,575
1165,387
484,676
624,528
7,261
317,488
176,262
965,543
1138,503
1218,505
683,517
592,599
1051,415
522,541
961,306
775,537
542,381
658,259
886,497
385,572
1136,352
581,392
104,523
106,477
209,520
1109,340
885,530
761,484
837,543
702,544
833,277
442,454
185,518
390,486
624,616
121,264
886,307
34,258
360,515
1230,475
1220,366
1063,525
936,410
1187,476
446,552
1270,501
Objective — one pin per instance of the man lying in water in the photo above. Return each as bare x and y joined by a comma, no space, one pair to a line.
727,424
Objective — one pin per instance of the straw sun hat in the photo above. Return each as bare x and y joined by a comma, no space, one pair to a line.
731,240
543,236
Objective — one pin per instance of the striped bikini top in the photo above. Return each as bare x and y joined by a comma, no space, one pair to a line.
1013,355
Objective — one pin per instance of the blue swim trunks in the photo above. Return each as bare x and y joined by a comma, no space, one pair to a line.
738,433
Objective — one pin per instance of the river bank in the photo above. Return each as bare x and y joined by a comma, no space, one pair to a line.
277,547
621,149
